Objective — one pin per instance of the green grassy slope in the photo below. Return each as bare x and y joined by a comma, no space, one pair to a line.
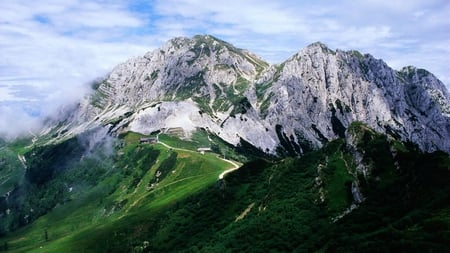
12,170
289,205
122,195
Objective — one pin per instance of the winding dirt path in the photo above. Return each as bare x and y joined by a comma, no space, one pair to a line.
235,165
180,149
221,176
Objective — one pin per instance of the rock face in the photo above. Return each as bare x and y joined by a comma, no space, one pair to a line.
317,93
288,109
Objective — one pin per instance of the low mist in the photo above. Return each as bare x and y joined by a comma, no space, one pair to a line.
97,142
15,121
24,117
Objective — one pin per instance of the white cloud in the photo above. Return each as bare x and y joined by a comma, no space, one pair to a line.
52,49
17,118
262,17
5,93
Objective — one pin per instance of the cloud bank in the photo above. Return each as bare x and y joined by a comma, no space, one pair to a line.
51,49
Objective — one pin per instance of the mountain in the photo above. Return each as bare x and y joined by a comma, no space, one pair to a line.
320,92
285,109
171,87
199,146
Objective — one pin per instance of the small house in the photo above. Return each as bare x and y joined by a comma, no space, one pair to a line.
148,140
203,150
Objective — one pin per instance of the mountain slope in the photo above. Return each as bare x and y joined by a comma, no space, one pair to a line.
63,198
296,204
192,83
285,109
317,93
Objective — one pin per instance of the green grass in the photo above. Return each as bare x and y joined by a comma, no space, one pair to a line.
98,97
203,103
221,104
406,209
260,89
11,169
337,184
113,205
20,146
183,144
241,84
264,107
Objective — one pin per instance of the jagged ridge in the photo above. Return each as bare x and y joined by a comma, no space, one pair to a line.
289,108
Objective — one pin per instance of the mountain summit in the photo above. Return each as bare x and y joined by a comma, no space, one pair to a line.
286,109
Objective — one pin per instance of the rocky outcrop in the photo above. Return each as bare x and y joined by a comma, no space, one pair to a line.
204,69
287,109
317,93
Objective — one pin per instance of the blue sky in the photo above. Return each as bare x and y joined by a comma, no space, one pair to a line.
51,49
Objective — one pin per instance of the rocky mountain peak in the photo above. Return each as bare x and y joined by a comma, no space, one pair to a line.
319,46
201,68
336,88
425,91
288,108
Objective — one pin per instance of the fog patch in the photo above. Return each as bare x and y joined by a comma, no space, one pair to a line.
24,117
97,142
18,119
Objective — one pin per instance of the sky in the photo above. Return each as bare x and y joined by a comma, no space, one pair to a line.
51,49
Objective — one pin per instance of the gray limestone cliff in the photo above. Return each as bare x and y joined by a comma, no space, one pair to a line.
289,108
317,93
